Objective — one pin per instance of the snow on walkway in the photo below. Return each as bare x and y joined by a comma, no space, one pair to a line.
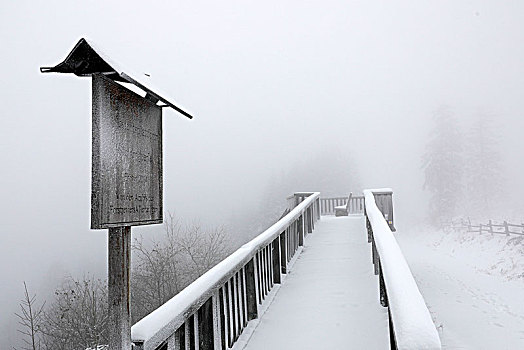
329,300
471,309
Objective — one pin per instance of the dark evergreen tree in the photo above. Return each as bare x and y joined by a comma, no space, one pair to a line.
443,166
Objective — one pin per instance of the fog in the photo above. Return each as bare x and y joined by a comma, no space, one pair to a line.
271,84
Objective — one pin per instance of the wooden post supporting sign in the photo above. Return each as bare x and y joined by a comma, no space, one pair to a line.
119,245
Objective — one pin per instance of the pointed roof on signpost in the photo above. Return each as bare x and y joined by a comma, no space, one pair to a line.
87,58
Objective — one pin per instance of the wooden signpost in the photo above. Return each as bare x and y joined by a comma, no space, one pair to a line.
126,186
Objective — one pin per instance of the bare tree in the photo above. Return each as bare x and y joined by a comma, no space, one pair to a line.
77,319
157,272
30,320
162,268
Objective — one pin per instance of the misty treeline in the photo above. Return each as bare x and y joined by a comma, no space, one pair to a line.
463,167
330,171
77,317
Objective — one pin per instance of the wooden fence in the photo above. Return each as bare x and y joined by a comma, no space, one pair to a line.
504,228
356,205
212,312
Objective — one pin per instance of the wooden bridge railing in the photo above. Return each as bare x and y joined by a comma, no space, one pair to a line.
212,312
356,205
410,323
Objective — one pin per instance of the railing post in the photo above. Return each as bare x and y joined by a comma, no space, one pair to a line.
276,260
300,225
217,326
283,255
382,287
375,257
252,306
312,217
206,335
369,229
384,201
309,219
178,340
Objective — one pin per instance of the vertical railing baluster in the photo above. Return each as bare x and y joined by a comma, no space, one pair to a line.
244,297
268,263
234,312
288,245
300,231
276,260
196,332
189,338
375,257
237,307
180,338
231,315
262,274
205,336
283,258
270,259
259,277
224,329
382,287
251,290
217,321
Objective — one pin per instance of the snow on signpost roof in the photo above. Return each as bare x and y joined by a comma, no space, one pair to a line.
87,58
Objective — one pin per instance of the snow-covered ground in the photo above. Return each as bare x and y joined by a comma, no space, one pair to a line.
329,300
473,286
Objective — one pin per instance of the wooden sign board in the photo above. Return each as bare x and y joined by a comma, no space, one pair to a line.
126,186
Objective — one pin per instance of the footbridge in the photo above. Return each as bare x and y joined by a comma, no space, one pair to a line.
328,275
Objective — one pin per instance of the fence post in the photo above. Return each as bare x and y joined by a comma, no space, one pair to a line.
490,227
506,228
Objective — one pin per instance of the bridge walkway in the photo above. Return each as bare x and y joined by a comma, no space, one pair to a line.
329,298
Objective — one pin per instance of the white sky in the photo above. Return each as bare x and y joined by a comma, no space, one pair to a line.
268,82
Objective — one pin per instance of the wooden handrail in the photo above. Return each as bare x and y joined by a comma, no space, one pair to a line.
411,326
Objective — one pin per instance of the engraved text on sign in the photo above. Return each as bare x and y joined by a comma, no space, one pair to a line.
126,187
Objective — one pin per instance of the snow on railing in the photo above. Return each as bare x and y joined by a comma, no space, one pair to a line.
411,326
328,205
212,312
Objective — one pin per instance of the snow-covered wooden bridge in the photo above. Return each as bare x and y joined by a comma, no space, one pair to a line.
308,282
